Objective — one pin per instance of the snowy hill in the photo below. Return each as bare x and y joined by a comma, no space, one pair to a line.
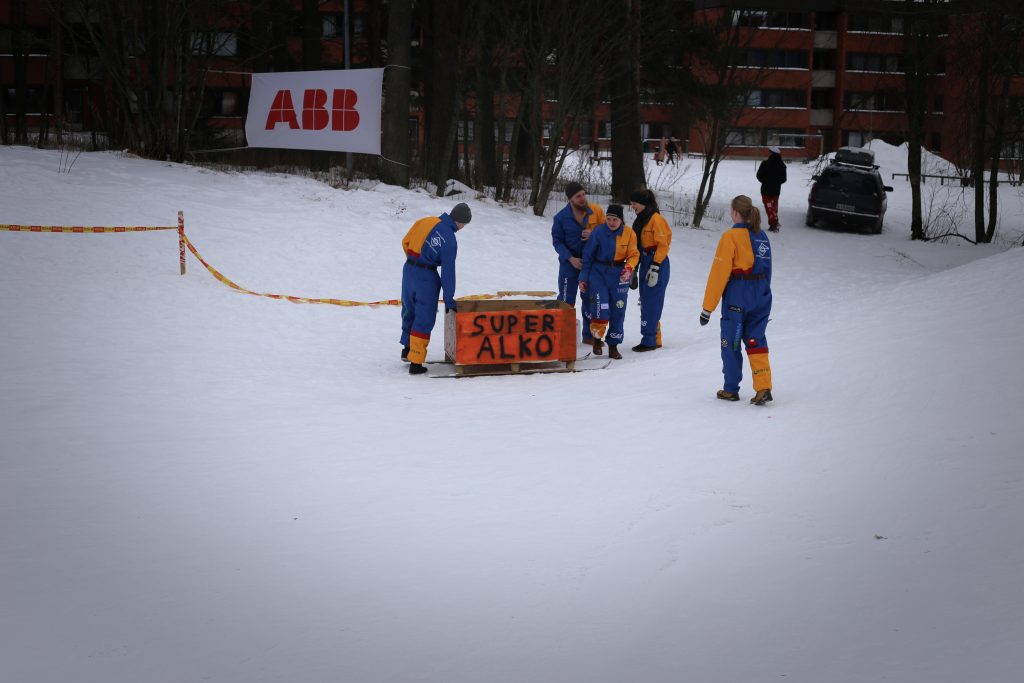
197,484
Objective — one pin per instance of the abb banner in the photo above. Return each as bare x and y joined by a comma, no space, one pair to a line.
337,111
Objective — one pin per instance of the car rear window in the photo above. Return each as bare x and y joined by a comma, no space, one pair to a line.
851,181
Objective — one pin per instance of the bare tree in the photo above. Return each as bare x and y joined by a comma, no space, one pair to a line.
721,93
922,26
562,65
154,54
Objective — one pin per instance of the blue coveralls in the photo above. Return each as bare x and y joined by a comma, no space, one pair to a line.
601,273
652,299
427,247
567,238
746,306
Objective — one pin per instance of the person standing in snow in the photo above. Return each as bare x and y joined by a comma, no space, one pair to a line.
570,230
430,244
654,236
609,258
741,277
772,174
670,150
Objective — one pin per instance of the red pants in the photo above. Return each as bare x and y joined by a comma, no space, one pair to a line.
771,207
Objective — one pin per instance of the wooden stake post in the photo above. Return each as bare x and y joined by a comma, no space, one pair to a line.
501,337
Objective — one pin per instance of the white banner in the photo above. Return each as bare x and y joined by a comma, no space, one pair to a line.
338,111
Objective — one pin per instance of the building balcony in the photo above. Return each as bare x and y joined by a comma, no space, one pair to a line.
822,118
823,79
825,40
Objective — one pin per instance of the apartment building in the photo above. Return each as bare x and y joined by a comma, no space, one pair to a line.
821,79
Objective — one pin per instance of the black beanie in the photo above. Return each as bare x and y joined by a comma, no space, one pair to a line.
640,197
615,210
461,213
572,188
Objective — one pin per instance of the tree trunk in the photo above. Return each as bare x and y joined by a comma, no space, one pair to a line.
397,81
19,49
441,88
980,126
997,147
627,143
486,161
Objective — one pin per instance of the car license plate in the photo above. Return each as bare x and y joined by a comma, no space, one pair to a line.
845,207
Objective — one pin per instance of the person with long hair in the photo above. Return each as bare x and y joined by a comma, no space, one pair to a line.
654,237
741,278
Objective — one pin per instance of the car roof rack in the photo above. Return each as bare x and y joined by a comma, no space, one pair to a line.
856,157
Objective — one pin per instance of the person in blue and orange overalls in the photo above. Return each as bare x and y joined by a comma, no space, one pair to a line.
741,276
430,244
609,258
654,237
570,230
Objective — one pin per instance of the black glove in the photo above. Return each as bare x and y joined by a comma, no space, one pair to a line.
635,281
454,308
705,317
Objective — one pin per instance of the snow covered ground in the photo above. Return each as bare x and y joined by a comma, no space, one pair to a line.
201,485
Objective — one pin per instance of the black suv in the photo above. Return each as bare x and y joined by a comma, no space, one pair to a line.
849,192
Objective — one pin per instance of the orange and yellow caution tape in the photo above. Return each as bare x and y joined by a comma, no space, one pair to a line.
343,302
186,242
84,228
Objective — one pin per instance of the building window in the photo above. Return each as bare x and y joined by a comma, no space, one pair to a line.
743,137
604,130
773,59
792,99
825,21
857,138
824,60
938,104
220,44
35,101
873,101
331,24
509,128
219,102
467,131
785,137
875,23
770,19
858,61
823,98
586,131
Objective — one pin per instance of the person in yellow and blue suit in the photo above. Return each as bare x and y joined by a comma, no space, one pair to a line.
430,244
741,277
609,257
570,230
654,237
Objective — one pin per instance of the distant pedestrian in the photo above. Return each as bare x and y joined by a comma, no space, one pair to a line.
430,244
772,174
670,149
741,277
659,154
654,236
570,230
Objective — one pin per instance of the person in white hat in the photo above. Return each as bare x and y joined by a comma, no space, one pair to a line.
772,174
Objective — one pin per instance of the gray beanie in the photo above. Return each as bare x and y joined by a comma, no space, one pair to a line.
461,213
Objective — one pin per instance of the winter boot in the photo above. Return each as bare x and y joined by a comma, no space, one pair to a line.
405,354
613,352
598,346
640,348
762,397
727,395
417,369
